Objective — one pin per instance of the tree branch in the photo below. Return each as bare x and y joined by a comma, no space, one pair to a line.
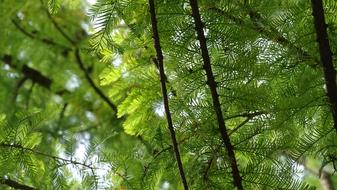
29,73
77,55
215,97
80,63
56,158
32,36
268,31
14,184
247,115
92,83
16,90
163,79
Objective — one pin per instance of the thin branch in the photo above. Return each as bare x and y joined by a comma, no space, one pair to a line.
61,115
325,56
274,35
81,64
18,86
32,36
47,84
163,79
29,93
208,167
266,30
92,83
77,54
63,33
247,115
56,158
215,96
36,76
239,126
68,161
15,184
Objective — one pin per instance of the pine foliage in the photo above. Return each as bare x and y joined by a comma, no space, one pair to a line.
81,104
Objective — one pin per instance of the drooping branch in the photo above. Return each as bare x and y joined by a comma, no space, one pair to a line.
215,96
14,184
163,79
325,56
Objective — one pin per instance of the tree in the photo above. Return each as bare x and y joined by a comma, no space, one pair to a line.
157,94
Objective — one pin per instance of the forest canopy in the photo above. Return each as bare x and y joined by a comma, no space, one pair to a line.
168,94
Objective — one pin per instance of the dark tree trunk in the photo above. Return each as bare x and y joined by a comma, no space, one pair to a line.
325,56
215,97
164,92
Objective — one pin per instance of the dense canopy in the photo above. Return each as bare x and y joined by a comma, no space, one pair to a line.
168,94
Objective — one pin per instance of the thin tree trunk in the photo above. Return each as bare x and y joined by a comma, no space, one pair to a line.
164,91
215,97
325,56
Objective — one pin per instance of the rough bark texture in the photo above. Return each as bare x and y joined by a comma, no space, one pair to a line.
325,56
164,92
215,97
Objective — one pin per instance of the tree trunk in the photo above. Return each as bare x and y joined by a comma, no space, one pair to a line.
215,97
325,56
164,92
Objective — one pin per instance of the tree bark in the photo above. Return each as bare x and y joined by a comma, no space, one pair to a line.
326,181
325,56
14,184
215,97
163,79
30,73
